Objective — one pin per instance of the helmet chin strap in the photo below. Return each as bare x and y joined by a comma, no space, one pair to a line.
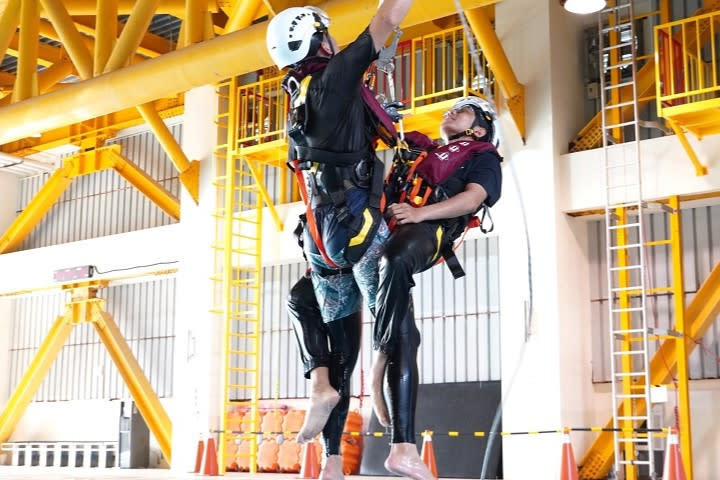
466,133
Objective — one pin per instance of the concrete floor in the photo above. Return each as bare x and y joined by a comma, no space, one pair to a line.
35,473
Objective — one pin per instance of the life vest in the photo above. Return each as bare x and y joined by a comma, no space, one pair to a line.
418,181
363,227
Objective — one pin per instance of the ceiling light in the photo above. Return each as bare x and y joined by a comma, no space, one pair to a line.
583,6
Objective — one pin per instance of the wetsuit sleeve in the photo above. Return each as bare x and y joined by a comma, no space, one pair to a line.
348,67
484,169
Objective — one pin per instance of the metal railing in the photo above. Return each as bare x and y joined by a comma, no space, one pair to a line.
686,67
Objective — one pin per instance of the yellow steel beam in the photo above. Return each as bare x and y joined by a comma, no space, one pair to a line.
172,7
242,14
113,122
54,74
34,375
47,54
700,315
9,22
36,209
159,195
700,169
106,29
71,39
492,49
201,64
132,34
194,20
26,84
151,45
142,393
189,171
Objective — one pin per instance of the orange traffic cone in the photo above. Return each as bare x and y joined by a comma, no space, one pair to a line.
568,469
428,453
673,469
211,464
199,456
310,466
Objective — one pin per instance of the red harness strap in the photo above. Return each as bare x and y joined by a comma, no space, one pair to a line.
311,216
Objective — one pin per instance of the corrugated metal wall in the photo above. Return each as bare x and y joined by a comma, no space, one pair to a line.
145,314
701,247
104,203
459,321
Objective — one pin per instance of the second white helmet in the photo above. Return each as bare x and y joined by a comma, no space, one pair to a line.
291,34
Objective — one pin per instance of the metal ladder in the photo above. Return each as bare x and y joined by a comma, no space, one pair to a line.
238,280
626,269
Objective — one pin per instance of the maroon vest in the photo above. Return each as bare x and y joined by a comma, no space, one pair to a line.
442,162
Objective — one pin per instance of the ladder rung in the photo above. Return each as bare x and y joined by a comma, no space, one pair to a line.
626,331
242,386
619,125
635,462
239,402
619,105
634,440
623,165
628,267
619,65
241,352
619,45
616,8
624,185
629,309
636,204
242,335
618,85
635,417
626,225
630,352
241,369
619,26
625,289
623,247
630,374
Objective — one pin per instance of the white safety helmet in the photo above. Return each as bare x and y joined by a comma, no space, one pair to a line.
485,116
291,34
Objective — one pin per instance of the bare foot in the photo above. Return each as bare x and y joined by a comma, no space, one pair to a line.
333,469
405,461
322,403
377,373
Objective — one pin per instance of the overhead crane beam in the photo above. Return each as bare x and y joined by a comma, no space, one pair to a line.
151,45
700,315
201,64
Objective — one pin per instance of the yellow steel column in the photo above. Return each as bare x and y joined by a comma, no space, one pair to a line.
26,84
8,24
71,39
36,209
132,34
194,20
189,171
149,187
682,353
492,49
241,15
106,28
34,375
625,324
145,398
664,11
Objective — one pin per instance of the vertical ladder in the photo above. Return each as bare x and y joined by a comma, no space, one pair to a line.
238,280
629,356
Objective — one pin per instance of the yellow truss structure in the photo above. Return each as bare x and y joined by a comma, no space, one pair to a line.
85,163
86,307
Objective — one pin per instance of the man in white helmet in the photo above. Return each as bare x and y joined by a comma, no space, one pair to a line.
457,180
331,143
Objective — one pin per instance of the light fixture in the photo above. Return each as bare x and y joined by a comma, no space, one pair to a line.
583,6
